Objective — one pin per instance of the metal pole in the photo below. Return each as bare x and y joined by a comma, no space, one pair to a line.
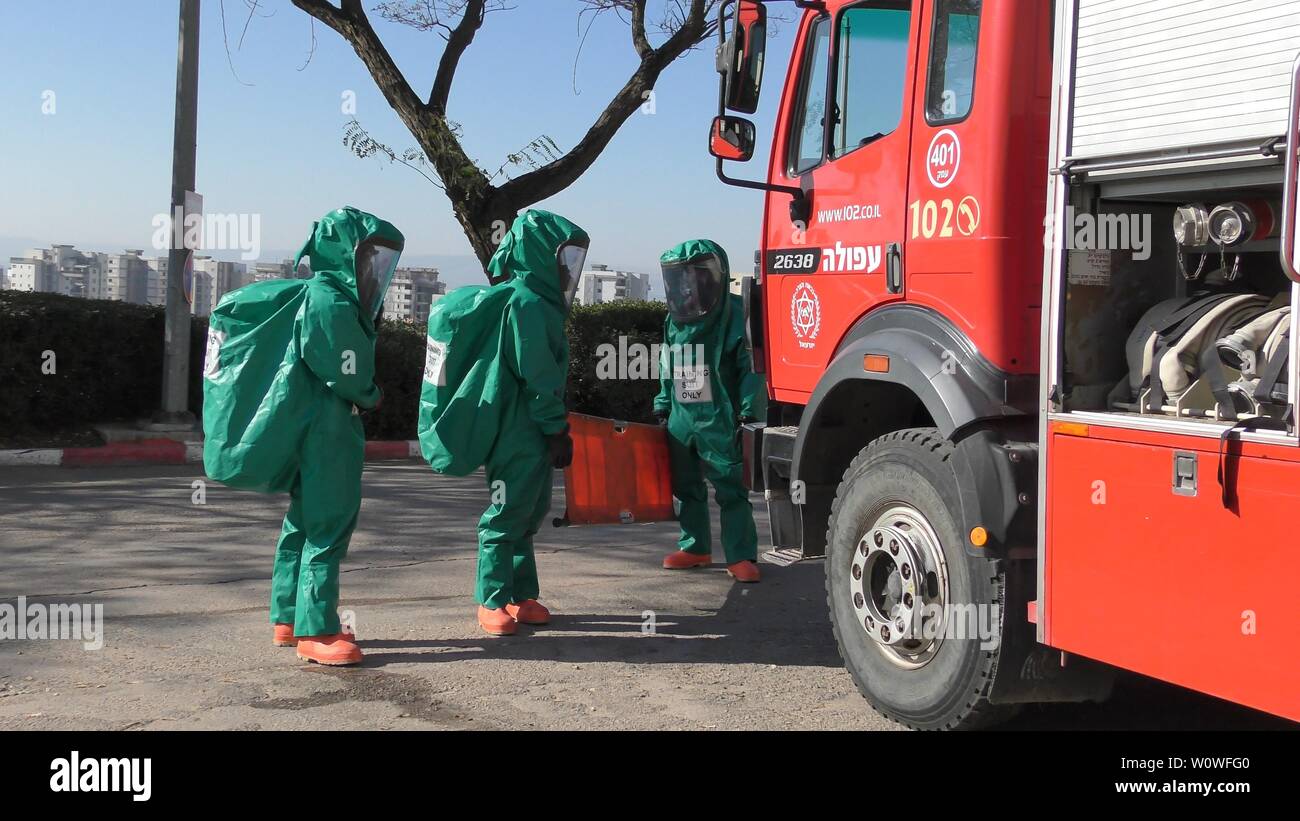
176,356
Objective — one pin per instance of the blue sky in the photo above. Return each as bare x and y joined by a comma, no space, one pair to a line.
97,170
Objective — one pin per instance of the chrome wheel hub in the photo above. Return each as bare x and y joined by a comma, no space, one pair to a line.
899,586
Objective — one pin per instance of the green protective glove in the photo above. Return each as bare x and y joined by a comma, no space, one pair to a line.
560,449
374,408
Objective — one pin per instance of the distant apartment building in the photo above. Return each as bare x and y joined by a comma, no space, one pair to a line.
26,274
738,282
59,269
214,278
600,284
156,281
154,284
203,297
262,271
128,276
411,293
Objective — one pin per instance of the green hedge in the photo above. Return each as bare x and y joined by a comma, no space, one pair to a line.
590,328
108,364
399,370
107,361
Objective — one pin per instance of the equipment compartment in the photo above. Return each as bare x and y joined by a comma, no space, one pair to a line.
1190,330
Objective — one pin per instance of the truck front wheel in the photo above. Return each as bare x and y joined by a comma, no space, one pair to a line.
918,622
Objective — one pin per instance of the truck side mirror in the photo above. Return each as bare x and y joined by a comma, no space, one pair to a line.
740,57
731,138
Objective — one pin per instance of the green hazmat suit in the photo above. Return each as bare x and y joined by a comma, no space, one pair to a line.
493,392
290,364
707,385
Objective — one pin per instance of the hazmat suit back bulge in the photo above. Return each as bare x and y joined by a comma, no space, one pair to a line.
534,352
258,393
460,395
707,385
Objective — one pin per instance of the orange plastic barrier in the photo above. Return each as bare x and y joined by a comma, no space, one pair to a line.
620,473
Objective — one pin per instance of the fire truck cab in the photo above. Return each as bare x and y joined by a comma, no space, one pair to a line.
998,238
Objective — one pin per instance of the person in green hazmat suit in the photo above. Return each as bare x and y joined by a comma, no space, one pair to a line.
541,259
707,390
352,255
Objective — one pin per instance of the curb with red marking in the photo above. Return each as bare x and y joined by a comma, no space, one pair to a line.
162,452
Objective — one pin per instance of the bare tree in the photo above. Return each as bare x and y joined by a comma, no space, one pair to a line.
478,200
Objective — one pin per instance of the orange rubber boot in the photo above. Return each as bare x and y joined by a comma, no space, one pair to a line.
681,560
496,622
745,571
529,612
337,650
282,635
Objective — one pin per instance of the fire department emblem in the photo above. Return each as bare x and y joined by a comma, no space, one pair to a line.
805,315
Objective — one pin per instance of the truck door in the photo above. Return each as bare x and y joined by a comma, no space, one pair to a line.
846,137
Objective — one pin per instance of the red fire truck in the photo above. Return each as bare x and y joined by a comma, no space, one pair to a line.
999,238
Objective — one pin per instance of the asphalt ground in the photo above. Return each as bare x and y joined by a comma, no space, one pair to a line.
185,586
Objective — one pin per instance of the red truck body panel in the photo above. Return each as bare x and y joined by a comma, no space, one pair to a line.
964,202
1177,587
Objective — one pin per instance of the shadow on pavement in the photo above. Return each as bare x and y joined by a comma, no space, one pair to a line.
780,621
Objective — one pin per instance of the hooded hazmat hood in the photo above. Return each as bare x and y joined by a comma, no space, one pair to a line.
333,246
682,255
530,252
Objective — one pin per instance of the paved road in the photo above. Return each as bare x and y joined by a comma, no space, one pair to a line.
184,589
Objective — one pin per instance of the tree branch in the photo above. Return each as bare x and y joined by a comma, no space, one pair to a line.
457,42
554,177
435,135
350,21
639,39
478,206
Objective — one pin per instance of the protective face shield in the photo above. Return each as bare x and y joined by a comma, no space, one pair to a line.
693,287
571,257
376,260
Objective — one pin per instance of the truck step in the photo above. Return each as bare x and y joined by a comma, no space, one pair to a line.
783,556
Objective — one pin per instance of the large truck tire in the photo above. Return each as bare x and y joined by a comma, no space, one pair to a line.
900,588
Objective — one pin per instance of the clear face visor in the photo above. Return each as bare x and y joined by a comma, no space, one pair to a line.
571,258
375,266
693,288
